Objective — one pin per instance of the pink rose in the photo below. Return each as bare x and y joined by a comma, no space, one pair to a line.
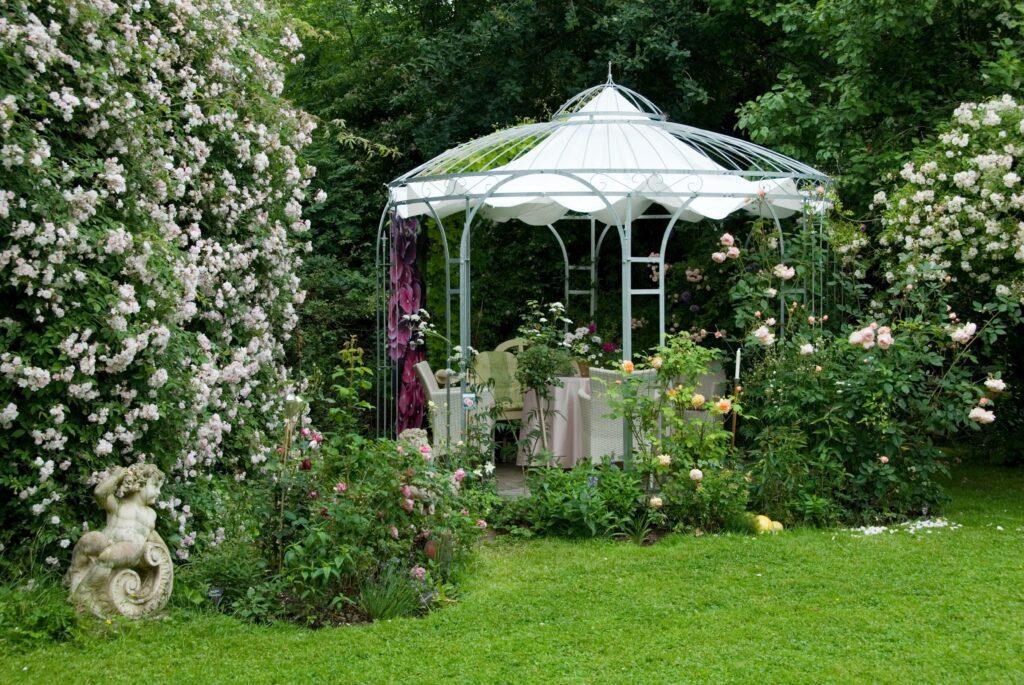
340,488
884,459
718,257
459,475
418,572
885,338
481,524
394,532
732,252
727,240
406,491
408,505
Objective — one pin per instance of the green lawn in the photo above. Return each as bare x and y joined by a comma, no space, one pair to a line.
804,606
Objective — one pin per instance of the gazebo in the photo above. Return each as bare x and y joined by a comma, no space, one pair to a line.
607,157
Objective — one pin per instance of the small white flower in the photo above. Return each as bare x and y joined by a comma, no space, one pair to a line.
979,415
784,272
764,336
995,384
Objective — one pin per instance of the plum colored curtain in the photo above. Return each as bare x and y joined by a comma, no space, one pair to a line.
406,298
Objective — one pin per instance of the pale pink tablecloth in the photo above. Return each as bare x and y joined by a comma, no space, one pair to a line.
563,416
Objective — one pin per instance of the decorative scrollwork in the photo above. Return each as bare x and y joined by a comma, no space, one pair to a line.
126,569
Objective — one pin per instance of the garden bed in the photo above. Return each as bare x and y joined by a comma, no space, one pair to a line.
927,606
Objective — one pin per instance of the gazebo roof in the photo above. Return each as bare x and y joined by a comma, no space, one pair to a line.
607,151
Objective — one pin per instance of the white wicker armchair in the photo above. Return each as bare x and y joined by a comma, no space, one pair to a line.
602,434
447,411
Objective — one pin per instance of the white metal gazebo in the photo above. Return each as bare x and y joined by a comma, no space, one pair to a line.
605,158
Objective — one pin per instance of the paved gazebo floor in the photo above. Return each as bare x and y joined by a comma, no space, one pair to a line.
511,480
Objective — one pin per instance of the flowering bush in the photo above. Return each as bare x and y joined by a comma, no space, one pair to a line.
708,499
341,527
666,414
683,448
957,216
152,196
869,406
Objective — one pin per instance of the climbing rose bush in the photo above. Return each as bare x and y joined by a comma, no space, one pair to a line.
151,196
958,215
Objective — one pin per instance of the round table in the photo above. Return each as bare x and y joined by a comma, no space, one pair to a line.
564,420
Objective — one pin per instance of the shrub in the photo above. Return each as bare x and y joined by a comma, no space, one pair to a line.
222,573
152,192
332,518
684,451
587,501
714,501
956,216
870,407
790,482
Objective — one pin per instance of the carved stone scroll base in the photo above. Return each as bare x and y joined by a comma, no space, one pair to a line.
134,592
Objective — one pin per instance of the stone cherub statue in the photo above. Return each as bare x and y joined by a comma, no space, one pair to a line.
126,568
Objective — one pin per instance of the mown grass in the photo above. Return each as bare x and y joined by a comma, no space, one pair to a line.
804,606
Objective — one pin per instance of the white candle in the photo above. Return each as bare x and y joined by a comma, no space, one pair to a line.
737,376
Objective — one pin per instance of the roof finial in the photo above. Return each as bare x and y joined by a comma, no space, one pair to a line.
610,81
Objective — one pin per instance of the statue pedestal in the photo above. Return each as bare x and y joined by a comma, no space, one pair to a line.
125,569
133,592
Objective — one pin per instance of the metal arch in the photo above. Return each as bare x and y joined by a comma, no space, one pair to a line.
782,259
596,256
565,261
479,157
464,278
447,320
447,277
572,105
382,360
661,267
381,366
471,212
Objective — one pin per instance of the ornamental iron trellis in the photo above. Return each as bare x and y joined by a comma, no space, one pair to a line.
462,180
